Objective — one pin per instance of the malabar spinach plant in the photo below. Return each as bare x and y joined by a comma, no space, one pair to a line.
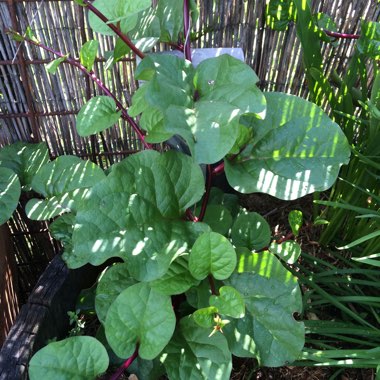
194,278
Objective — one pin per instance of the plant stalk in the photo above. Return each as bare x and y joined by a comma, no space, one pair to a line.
342,35
207,194
100,84
186,27
125,365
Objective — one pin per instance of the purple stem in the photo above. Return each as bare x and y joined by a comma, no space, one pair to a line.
207,194
218,169
342,35
122,36
186,29
91,74
125,365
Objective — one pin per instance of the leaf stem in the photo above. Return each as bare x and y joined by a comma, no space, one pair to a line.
114,28
186,27
342,35
125,365
207,193
219,169
102,86
212,285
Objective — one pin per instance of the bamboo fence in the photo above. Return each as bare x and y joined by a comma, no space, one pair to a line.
37,106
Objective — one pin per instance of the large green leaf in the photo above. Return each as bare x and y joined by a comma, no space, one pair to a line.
136,213
79,358
271,295
213,254
10,190
64,183
192,354
110,285
142,316
251,230
230,80
297,150
97,115
125,11
25,159
210,129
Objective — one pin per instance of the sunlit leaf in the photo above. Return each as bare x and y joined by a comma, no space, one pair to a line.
298,150
97,115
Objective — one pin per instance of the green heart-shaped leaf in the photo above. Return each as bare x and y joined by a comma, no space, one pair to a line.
212,254
229,302
140,315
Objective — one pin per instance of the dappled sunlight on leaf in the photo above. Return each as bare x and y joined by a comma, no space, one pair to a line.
298,150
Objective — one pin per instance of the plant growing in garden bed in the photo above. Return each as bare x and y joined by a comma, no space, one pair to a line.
195,278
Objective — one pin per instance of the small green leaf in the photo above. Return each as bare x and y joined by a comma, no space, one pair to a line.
10,190
79,357
30,35
289,251
251,230
88,54
53,65
97,115
80,2
229,302
193,354
111,283
205,317
295,219
142,316
212,254
279,13
15,35
121,49
177,279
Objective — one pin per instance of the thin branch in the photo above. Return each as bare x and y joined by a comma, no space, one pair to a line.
94,78
125,365
342,35
186,31
114,28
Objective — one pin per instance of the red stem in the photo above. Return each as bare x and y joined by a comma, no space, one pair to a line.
91,74
289,236
186,29
207,194
342,35
125,365
122,36
212,285
219,169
